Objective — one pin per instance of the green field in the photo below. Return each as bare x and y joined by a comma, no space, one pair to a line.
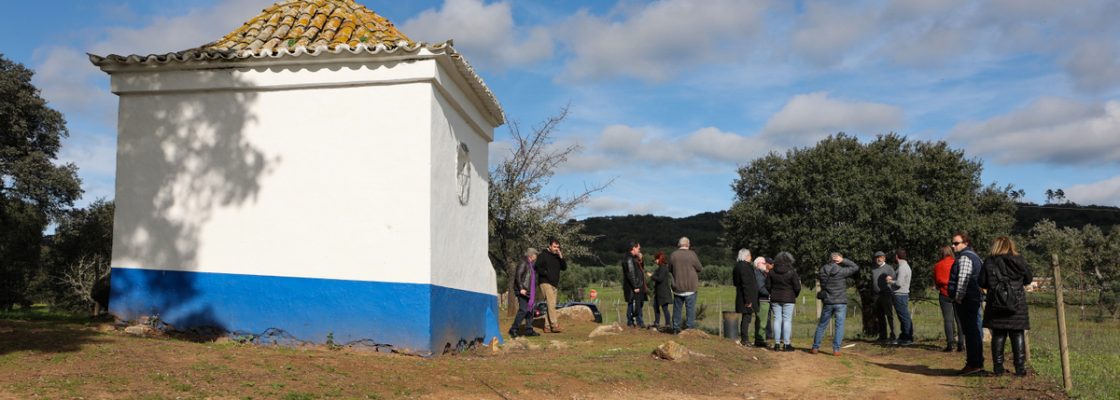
1094,345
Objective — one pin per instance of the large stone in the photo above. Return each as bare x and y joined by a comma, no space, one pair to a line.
612,329
139,330
576,313
671,351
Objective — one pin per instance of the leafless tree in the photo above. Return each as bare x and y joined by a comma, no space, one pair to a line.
83,278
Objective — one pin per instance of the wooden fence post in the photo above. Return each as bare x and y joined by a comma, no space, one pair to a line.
1063,338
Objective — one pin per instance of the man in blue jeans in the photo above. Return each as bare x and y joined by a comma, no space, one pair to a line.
685,266
964,288
901,286
834,295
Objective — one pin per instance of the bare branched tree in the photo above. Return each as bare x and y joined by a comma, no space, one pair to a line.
84,279
521,215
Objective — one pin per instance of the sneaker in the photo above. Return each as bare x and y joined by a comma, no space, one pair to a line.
530,333
814,351
789,347
960,348
971,371
777,347
905,342
948,349
836,353
759,343
556,329
512,333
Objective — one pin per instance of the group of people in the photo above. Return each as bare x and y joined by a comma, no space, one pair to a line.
964,281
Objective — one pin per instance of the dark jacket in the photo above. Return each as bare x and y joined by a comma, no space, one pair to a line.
746,287
783,283
964,277
1016,270
763,293
834,281
662,285
524,278
548,268
686,270
633,277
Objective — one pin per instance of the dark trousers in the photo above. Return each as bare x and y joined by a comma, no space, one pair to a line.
524,313
758,327
634,312
744,329
969,313
884,314
1018,350
953,332
658,311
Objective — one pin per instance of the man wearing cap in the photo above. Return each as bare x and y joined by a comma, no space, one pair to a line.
525,286
884,297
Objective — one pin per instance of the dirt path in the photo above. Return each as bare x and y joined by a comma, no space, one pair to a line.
62,360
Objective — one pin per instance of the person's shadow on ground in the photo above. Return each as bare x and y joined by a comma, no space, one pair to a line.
918,369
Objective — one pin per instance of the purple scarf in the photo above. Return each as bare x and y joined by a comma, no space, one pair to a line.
532,284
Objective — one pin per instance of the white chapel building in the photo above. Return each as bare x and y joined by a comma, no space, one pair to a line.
314,174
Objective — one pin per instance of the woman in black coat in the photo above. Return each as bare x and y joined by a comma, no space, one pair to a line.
784,286
746,293
662,289
1005,263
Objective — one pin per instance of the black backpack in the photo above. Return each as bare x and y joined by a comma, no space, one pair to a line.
1005,296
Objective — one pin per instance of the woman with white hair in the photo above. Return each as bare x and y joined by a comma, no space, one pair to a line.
746,293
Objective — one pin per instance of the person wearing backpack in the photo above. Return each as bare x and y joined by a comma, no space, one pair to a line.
1004,275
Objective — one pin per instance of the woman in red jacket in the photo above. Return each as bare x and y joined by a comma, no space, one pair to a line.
941,278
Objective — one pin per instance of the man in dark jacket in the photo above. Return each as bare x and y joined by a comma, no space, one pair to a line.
964,287
746,293
549,264
834,289
762,267
634,285
525,286
884,297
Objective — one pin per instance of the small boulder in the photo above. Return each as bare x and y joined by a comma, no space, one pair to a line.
671,351
612,329
557,345
576,313
694,333
138,330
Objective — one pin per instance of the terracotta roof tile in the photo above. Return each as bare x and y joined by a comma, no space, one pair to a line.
319,22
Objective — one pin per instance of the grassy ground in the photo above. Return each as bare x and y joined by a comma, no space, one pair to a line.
1094,345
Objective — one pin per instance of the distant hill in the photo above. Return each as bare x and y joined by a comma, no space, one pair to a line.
705,230
656,233
1071,215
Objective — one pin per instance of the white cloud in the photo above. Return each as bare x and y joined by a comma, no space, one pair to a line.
181,32
809,117
1095,66
73,86
1049,130
828,31
1106,192
486,34
658,41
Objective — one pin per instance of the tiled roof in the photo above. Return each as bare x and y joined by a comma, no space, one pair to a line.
311,24
311,28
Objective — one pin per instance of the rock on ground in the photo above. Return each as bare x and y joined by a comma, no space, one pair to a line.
671,351
612,329
139,330
576,313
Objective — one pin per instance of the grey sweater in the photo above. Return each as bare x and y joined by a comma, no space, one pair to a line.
901,283
879,278
686,269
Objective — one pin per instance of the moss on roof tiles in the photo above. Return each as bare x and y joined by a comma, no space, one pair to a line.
302,23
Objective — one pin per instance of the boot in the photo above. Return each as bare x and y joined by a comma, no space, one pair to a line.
1019,353
998,339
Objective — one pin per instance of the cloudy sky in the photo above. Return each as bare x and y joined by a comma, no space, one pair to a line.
669,97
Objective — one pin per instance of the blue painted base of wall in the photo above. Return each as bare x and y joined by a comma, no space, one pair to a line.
418,317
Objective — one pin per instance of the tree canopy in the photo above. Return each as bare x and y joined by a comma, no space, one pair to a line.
33,188
858,198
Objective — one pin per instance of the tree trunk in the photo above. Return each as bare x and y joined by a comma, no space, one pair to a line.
511,297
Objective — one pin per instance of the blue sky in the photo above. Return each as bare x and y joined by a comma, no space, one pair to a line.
669,97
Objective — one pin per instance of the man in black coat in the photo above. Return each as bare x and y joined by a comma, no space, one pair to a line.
549,264
634,285
746,293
